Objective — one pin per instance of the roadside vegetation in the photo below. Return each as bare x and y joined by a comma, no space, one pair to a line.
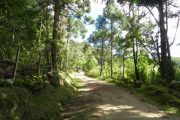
127,47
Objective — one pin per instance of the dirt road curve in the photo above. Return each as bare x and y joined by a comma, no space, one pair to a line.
109,102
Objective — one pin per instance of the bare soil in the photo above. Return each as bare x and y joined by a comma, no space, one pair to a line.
98,100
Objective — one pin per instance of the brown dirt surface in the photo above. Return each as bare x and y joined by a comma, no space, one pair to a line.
98,100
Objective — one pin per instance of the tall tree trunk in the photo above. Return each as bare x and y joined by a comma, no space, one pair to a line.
111,49
135,61
16,62
102,57
166,68
67,54
47,47
67,44
39,49
57,10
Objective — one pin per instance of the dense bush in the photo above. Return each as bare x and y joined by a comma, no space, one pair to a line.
160,94
55,78
6,83
12,101
34,83
17,103
90,64
94,72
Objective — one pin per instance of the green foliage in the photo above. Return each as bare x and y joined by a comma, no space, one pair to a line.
48,104
91,63
161,95
6,83
175,85
94,72
19,103
55,78
34,83
177,74
12,101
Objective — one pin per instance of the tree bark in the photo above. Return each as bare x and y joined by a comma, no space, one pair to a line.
57,10
67,44
102,57
39,42
166,68
111,49
135,61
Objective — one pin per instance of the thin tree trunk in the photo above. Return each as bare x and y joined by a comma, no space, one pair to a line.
111,49
67,44
39,42
39,64
16,62
47,50
67,54
157,50
102,57
135,62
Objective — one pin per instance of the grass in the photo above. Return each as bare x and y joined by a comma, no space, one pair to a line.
49,103
157,95
19,103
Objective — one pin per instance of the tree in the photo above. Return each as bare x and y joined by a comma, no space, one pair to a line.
166,67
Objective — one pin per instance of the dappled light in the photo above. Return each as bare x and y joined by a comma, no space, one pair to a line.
89,60
109,102
109,109
84,89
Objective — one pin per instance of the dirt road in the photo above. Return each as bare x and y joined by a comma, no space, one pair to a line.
99,100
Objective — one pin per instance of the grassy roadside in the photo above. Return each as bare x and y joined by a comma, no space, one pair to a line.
157,95
19,103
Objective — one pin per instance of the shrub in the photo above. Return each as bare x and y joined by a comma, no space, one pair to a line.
19,104
6,83
160,94
34,83
94,72
55,78
90,64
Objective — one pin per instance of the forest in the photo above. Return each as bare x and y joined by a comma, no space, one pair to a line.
46,73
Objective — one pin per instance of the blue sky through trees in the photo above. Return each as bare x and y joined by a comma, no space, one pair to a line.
97,9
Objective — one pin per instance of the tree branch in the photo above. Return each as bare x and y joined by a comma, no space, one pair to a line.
149,52
153,15
177,26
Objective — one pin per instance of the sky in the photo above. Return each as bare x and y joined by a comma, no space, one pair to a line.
97,9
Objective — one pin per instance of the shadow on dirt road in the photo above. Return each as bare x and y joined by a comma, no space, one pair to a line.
98,100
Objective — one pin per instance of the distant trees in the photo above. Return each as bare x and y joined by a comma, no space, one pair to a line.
128,32
166,66
39,34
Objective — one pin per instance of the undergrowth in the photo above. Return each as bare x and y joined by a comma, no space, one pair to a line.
19,102
159,95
